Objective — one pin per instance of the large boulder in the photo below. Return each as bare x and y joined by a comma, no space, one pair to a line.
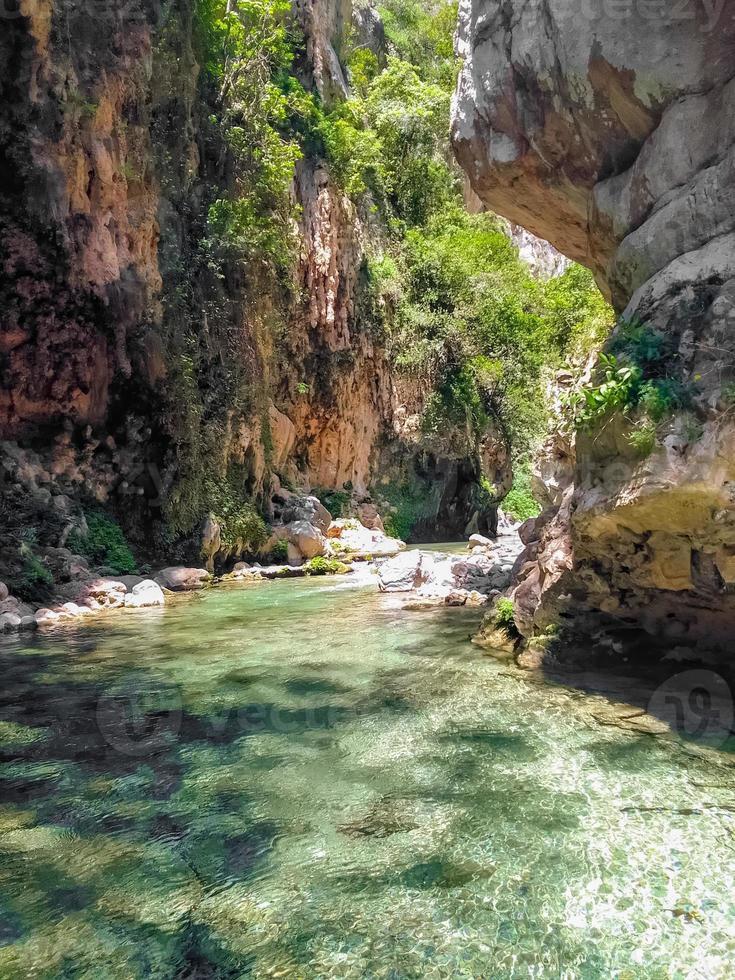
15,607
9,622
178,578
403,573
144,594
307,509
479,541
352,539
368,516
306,538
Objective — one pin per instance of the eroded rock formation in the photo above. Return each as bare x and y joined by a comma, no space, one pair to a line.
609,129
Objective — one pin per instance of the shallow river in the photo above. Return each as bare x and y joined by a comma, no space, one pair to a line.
297,779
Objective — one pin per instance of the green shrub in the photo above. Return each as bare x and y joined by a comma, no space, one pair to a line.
34,582
241,526
504,616
246,50
520,503
104,544
638,343
630,379
617,389
325,566
279,552
336,501
663,396
408,505
643,438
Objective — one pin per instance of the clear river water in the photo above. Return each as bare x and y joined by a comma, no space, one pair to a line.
298,779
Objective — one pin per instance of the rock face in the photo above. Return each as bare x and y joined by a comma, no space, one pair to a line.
132,375
610,131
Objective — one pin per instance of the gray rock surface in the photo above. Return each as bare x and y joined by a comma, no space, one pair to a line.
308,540
180,579
609,130
308,509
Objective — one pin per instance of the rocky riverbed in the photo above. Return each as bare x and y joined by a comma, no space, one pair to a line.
311,542
432,578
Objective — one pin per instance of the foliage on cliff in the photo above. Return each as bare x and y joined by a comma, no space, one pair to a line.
461,316
470,322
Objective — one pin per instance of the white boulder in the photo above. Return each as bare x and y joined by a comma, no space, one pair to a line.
352,539
145,594
46,617
103,593
479,541
9,622
309,510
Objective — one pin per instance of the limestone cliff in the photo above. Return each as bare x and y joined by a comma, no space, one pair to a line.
609,129
136,374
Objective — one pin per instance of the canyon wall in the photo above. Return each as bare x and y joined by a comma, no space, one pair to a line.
133,373
609,129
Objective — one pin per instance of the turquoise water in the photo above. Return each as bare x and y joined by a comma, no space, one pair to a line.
298,779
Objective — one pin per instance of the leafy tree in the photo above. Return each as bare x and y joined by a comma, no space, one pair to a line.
247,49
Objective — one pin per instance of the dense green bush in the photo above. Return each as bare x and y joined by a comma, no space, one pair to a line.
407,505
242,527
279,552
325,566
632,378
336,501
34,581
504,616
520,503
104,544
246,49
